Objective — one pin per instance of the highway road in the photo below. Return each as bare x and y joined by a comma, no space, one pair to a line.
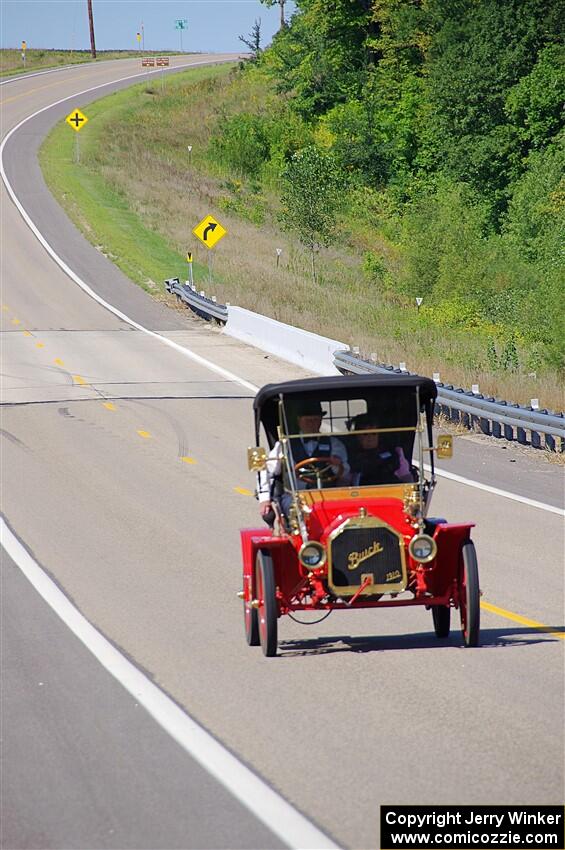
124,477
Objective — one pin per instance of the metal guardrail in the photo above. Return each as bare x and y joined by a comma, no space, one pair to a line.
199,303
494,418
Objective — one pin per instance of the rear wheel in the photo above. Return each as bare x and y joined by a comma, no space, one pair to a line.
442,619
251,622
469,593
267,611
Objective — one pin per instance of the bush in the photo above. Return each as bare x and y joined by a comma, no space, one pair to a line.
374,267
241,144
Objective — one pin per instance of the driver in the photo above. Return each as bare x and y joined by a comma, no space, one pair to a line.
323,446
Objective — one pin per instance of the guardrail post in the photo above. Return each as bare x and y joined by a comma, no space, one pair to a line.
520,432
484,424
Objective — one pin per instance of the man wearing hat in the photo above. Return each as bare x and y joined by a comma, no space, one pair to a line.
309,417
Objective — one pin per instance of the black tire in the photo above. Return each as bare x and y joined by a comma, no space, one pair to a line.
251,624
442,620
470,595
267,611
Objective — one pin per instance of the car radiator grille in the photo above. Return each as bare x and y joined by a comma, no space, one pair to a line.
359,552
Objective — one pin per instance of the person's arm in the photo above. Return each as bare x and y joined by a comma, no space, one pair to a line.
339,451
266,475
403,472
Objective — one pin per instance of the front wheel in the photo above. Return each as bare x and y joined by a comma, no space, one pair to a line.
469,593
267,611
442,620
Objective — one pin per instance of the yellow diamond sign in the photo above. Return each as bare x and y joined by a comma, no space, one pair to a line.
76,120
209,231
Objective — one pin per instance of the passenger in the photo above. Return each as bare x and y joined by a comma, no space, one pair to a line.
323,446
371,466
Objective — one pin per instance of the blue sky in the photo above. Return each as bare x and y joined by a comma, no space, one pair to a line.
212,24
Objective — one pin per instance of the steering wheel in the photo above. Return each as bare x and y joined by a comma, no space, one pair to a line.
315,470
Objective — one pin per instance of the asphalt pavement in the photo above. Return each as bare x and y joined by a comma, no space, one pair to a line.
124,472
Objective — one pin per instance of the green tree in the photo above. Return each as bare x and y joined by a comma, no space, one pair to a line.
480,50
535,103
322,58
312,189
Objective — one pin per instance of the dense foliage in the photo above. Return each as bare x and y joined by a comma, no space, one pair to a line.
447,118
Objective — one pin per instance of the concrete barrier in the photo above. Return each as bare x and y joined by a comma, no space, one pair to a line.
314,353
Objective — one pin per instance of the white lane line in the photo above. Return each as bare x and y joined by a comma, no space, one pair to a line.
497,492
78,65
225,373
230,376
47,71
251,791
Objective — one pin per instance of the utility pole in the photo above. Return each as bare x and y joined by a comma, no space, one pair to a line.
91,22
283,22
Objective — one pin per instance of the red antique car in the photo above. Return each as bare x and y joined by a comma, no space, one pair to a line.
349,473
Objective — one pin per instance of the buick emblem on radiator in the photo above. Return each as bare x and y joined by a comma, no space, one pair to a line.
356,558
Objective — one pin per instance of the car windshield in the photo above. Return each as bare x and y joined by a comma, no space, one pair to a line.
348,442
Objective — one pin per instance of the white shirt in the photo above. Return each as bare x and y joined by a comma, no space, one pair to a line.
274,462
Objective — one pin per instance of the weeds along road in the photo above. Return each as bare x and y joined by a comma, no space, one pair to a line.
124,474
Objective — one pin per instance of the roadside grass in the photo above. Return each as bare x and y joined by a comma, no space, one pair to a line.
137,194
37,59
120,226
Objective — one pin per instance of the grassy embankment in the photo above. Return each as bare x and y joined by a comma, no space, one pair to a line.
137,196
122,222
41,60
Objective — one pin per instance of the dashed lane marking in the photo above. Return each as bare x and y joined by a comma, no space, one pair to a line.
145,434
58,361
40,345
27,333
109,406
524,621
16,321
243,491
78,379
186,459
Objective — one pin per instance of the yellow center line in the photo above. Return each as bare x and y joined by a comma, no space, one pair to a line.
16,322
186,459
58,361
109,406
78,379
243,491
28,333
40,345
145,434
524,621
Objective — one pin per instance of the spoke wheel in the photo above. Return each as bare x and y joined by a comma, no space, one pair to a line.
442,619
250,619
470,595
267,611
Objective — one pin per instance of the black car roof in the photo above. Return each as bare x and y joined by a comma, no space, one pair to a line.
334,387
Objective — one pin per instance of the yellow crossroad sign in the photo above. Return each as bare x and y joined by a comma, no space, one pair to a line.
209,231
76,120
